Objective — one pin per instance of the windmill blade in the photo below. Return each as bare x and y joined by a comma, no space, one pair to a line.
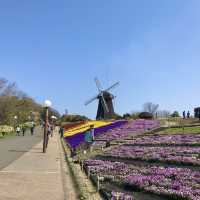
113,86
112,96
104,102
98,84
91,100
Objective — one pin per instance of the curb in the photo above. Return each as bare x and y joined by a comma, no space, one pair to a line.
83,191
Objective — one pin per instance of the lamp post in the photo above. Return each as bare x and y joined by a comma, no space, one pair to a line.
47,104
53,119
15,120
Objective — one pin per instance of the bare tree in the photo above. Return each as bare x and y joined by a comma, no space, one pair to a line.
163,113
10,90
150,107
3,83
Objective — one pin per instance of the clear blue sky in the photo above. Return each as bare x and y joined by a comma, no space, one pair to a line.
54,49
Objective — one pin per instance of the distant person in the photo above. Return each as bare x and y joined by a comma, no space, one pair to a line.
107,143
43,124
61,132
89,137
92,132
48,134
184,114
52,128
73,153
188,114
23,130
199,114
89,134
32,130
18,130
48,129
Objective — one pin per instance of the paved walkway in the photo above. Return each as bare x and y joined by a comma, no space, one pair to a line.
38,176
13,147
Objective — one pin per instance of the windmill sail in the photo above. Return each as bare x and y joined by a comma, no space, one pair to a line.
98,84
91,100
112,87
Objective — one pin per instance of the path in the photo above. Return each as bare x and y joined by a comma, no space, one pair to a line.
35,175
11,148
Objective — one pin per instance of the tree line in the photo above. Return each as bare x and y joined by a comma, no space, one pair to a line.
17,107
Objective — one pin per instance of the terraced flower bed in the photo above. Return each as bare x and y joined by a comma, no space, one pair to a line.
145,166
177,139
176,183
178,155
128,129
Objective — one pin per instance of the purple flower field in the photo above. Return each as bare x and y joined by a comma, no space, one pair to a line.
173,182
178,139
179,155
166,166
129,129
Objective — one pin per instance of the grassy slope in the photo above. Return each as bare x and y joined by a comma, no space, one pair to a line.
183,130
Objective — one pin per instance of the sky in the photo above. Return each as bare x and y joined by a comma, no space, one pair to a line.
54,49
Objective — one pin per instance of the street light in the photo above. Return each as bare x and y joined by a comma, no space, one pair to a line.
47,104
53,117
15,121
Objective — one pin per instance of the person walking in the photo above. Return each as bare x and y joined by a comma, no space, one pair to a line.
23,130
32,130
61,132
18,130
92,132
51,130
188,114
48,134
184,114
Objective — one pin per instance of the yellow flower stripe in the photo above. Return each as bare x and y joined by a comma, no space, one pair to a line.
84,127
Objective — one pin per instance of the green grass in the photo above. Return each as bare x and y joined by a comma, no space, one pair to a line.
183,130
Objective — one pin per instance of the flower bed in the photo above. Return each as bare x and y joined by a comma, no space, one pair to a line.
177,155
77,139
178,183
116,130
128,129
178,139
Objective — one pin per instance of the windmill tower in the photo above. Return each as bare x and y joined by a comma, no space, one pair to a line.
105,107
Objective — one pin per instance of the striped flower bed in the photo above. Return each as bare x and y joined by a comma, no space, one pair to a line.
75,140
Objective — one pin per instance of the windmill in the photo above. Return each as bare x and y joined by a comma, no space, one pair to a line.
105,98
